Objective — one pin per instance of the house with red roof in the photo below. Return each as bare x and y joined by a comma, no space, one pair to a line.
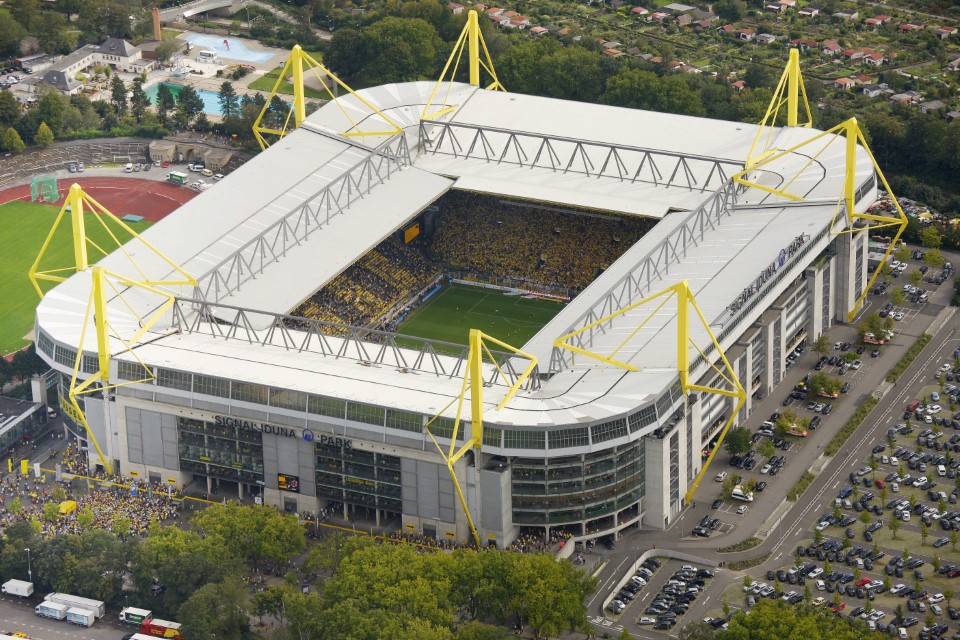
844,84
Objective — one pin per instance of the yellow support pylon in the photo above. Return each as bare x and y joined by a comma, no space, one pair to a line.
473,382
472,40
102,289
788,92
83,211
685,301
294,67
849,131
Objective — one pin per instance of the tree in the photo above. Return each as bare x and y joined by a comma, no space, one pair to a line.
739,440
897,297
166,102
766,448
823,385
167,48
344,53
16,506
954,539
85,518
118,95
229,101
933,258
399,49
11,33
930,237
139,101
924,533
936,562
253,531
216,610
44,136
817,536
821,345
865,519
189,104
758,75
894,527
13,142
51,511
915,277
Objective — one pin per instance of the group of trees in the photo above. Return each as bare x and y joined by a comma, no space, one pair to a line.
366,590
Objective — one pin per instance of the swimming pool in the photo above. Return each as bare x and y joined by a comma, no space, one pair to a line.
232,50
211,99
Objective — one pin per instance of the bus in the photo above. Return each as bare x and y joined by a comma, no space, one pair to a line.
177,178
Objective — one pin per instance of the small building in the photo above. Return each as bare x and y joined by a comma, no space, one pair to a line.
875,59
766,38
932,105
746,34
830,47
538,31
810,11
872,90
676,7
952,115
844,84
700,14
683,20
847,15
804,44
739,86
877,21
852,54
944,32
639,11
455,8
912,26
776,8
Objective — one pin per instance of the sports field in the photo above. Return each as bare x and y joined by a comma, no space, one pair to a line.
23,228
450,314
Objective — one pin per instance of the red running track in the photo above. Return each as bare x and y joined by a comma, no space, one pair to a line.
151,199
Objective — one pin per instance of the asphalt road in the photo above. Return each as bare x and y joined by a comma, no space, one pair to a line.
795,526
18,615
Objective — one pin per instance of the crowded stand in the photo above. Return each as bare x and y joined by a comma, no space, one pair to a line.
482,236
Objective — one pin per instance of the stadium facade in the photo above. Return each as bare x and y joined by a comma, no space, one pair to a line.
248,401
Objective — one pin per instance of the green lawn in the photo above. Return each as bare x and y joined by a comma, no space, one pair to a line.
450,315
267,80
23,228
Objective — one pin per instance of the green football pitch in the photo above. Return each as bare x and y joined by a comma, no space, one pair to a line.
23,228
450,315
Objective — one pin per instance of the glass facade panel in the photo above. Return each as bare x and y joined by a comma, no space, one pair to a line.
524,439
210,386
576,437
323,406
229,453
131,370
366,413
247,392
359,478
642,418
173,379
286,399
609,430
408,421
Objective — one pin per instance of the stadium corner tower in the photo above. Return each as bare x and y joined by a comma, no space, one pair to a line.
214,385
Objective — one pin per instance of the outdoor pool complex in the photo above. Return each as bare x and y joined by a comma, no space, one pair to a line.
211,99
232,50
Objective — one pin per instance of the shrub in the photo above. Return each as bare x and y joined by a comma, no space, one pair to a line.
802,484
851,425
909,357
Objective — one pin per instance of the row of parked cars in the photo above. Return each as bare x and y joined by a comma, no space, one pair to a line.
636,582
676,596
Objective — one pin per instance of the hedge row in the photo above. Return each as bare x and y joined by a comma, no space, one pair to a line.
909,357
740,565
805,481
743,545
847,430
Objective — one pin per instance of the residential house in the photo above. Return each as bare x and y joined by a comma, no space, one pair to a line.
766,38
862,80
634,52
518,22
700,25
803,44
810,11
536,32
659,16
455,8
639,11
912,26
932,105
725,29
844,84
746,34
852,54
739,86
830,47
847,15
776,7
612,53
494,11
944,32
872,90
683,20
877,21
876,59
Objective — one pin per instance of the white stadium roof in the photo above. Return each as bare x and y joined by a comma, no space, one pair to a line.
292,174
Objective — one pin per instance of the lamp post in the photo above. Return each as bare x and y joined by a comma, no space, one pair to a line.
29,571
261,483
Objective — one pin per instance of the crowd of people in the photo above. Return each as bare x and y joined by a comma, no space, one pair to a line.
484,236
385,276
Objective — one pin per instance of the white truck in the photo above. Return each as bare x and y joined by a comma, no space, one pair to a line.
82,617
134,615
76,601
53,610
20,588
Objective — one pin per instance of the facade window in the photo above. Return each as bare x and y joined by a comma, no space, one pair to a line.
609,430
664,403
90,363
675,468
493,437
524,439
406,420
64,356
46,344
642,418
248,392
173,379
565,438
287,399
210,386
366,413
826,298
324,406
131,371
217,451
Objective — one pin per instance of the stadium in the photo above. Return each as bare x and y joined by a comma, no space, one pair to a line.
488,314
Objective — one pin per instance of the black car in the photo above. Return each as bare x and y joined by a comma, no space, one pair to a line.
760,486
716,504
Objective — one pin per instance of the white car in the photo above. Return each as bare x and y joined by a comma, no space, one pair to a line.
765,469
821,585
935,598
741,510
646,621
898,316
721,476
816,573
748,588
945,367
856,365
823,524
934,408
218,176
894,460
